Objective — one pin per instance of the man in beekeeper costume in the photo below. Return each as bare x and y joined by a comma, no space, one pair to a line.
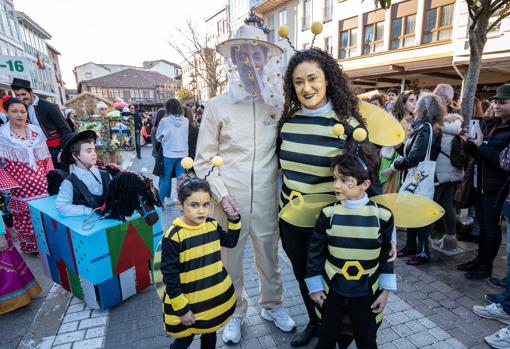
241,125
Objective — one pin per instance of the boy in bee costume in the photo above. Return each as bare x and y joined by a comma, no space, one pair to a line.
199,296
348,272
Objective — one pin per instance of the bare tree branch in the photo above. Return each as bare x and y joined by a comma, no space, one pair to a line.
194,50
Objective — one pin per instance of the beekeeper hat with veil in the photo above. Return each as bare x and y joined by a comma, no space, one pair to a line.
254,66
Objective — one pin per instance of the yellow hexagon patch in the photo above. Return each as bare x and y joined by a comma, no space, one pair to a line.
349,264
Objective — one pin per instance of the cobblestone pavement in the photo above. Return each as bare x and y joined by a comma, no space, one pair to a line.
431,309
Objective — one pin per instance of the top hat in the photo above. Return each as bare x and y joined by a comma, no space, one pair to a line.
66,157
248,35
503,92
20,83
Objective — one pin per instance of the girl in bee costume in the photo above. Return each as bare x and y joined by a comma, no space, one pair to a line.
199,297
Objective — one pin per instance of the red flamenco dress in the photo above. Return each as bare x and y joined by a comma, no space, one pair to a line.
24,165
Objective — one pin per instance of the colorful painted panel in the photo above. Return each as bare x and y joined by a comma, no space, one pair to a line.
103,263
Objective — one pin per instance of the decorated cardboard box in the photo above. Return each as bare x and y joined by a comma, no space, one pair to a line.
103,263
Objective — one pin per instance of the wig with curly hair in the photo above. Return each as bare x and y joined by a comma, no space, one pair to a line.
339,92
398,110
430,108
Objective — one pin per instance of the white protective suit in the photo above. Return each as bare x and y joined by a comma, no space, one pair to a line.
244,135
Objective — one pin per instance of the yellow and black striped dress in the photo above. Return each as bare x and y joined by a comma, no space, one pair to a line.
307,147
195,278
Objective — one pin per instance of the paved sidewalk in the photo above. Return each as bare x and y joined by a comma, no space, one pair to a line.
431,309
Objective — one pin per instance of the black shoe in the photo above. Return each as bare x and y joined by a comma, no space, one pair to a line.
468,266
138,156
304,337
478,273
406,251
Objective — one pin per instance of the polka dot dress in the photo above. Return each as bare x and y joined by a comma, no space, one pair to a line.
32,185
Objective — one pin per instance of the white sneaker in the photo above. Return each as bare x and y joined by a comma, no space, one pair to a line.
232,331
280,317
492,311
500,339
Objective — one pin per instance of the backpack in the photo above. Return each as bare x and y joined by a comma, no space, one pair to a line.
458,156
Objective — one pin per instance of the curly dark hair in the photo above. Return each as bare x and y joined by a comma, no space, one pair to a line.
125,192
339,92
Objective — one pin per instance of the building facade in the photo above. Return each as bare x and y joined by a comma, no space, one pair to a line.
10,39
58,82
414,44
150,88
34,39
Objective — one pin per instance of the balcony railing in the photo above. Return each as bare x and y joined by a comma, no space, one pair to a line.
328,13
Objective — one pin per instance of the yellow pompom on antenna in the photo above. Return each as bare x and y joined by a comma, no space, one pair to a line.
316,28
187,163
217,161
283,31
360,134
338,130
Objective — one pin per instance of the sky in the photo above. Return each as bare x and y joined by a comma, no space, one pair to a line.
114,31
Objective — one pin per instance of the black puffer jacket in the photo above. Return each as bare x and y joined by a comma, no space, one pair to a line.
490,177
416,146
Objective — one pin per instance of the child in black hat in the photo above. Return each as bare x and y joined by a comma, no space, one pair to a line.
85,188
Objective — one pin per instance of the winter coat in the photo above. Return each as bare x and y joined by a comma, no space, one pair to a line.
490,177
415,148
445,171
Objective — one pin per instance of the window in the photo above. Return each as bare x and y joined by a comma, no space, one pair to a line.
88,76
348,43
328,45
270,27
282,17
438,24
348,38
373,31
374,38
307,14
328,10
403,24
403,32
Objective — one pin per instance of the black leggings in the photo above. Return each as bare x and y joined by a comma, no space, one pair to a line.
295,241
363,320
207,341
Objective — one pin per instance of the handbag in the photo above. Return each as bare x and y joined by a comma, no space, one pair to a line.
420,179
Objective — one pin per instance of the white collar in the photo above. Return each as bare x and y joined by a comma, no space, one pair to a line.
356,203
82,171
35,102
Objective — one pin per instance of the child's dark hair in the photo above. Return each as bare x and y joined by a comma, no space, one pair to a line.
192,185
76,147
351,164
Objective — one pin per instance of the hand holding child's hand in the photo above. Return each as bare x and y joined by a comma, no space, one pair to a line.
380,302
393,252
230,207
318,297
188,319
